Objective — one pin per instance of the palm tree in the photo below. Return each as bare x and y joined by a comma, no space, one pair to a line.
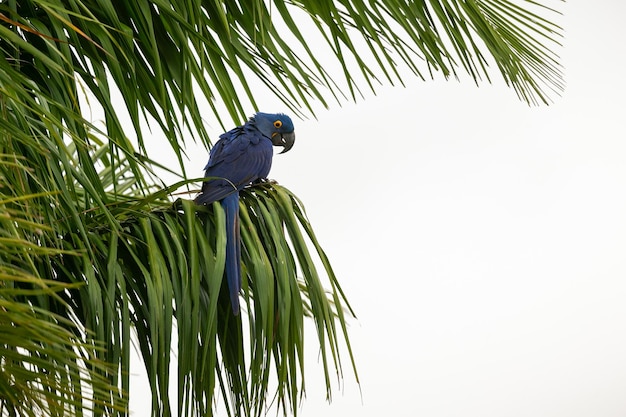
94,253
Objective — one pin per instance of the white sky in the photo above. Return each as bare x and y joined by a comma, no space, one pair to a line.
481,242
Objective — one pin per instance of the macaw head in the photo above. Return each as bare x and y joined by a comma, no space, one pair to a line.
278,127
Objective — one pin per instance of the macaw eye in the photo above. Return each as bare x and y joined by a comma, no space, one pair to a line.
278,124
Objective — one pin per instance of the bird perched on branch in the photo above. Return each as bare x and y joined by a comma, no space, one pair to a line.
242,156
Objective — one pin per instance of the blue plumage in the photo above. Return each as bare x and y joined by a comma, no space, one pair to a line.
233,248
241,156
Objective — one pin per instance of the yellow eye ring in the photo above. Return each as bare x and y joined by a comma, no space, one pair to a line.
278,124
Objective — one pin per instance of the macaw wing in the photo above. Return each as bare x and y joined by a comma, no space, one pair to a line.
236,160
228,148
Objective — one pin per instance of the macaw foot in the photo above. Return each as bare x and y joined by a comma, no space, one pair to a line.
264,181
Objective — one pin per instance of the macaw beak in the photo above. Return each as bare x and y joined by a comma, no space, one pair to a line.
286,140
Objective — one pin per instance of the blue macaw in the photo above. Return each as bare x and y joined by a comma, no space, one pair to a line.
242,156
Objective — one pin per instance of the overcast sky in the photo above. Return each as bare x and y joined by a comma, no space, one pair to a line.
481,242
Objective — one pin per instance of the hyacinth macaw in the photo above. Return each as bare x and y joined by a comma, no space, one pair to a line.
242,156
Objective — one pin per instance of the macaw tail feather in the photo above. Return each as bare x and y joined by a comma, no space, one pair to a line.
233,249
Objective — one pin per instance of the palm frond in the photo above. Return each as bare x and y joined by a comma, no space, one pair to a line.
173,50
48,360
161,272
